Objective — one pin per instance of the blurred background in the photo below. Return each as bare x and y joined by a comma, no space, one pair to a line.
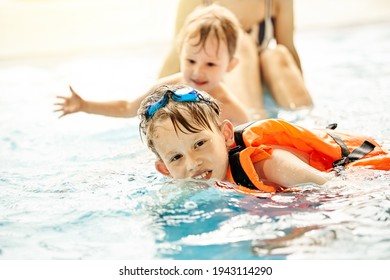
62,27
113,49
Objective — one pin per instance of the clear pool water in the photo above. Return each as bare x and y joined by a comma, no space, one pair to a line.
84,187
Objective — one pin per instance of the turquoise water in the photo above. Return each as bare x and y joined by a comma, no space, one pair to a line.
84,187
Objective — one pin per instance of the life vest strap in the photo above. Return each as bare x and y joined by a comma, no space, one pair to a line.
239,174
331,126
238,132
344,149
365,148
348,156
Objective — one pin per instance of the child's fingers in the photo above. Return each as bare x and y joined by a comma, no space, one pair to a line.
58,110
71,89
62,97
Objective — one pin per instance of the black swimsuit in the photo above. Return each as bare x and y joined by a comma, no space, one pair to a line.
266,34
261,34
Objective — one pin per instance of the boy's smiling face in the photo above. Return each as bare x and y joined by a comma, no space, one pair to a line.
202,155
203,67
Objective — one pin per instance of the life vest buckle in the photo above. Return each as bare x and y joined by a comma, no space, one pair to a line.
341,162
339,165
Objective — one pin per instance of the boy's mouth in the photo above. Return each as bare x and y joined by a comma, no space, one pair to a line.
199,83
203,176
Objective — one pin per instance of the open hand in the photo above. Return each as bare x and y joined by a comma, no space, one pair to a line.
71,104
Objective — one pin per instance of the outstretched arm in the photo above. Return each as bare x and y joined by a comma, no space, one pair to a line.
287,169
75,103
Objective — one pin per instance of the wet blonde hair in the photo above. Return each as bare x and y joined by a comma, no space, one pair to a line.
188,117
212,20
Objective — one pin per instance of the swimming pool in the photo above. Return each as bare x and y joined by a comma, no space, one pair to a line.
84,187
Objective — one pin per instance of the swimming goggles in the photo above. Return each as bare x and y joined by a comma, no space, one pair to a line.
186,94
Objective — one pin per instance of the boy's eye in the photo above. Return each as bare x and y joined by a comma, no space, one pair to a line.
191,61
200,143
175,158
211,64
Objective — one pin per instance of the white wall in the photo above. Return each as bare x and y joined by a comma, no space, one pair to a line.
39,27
50,27
331,13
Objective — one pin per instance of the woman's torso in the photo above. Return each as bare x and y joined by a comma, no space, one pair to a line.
253,15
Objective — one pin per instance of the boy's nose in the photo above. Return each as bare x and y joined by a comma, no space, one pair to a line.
197,71
193,163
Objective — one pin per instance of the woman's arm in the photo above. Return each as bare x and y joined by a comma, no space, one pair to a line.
284,27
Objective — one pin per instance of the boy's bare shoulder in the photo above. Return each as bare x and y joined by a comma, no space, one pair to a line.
176,78
222,93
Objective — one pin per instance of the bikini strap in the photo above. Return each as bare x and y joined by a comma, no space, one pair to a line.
268,6
268,27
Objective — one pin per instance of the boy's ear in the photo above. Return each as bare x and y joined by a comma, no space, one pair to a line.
161,167
232,64
227,129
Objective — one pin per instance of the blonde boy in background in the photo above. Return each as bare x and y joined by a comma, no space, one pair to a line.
207,45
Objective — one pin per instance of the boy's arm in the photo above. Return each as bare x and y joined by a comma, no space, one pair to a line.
117,108
75,103
286,169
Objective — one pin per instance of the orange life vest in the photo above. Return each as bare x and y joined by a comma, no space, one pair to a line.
326,149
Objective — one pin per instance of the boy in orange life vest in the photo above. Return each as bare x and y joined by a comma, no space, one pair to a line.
182,127
207,46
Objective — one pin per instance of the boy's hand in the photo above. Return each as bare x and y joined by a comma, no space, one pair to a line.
72,104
